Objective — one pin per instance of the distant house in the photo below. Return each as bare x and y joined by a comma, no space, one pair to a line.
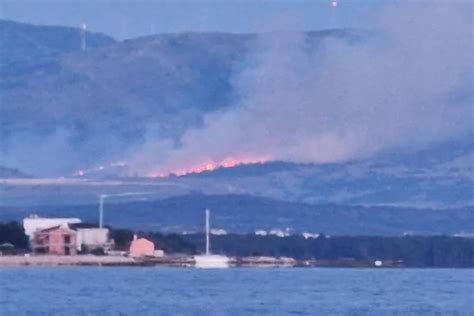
87,237
58,240
141,247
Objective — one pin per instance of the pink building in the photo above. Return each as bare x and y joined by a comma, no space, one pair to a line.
59,240
141,247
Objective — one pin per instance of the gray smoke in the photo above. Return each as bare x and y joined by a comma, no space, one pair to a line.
406,85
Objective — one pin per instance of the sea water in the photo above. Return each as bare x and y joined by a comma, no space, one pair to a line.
237,291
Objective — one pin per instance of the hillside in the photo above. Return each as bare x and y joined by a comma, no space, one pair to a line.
95,105
64,109
245,214
26,48
12,173
440,176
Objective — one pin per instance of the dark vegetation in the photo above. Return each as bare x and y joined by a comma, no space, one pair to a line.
414,251
13,233
170,244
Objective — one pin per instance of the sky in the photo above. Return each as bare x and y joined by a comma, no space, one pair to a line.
128,19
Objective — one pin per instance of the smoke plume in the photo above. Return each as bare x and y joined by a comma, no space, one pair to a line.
403,84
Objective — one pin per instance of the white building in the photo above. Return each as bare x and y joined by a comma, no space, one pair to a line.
307,235
218,231
261,232
34,222
92,238
158,253
279,233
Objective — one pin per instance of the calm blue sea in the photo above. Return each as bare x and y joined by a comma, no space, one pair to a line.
244,291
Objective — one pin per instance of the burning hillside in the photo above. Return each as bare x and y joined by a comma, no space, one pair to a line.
208,165
123,169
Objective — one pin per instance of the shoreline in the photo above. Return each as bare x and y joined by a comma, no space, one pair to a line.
184,261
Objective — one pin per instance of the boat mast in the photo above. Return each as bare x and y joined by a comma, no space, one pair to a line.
208,213
101,209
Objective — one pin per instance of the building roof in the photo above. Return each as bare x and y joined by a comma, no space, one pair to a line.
35,223
142,240
84,225
50,229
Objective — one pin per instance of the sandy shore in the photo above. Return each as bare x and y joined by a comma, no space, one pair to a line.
181,261
50,260
91,260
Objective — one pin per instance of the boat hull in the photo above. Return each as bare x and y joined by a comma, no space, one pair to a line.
211,261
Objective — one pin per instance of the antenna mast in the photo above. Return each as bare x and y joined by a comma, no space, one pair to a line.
102,198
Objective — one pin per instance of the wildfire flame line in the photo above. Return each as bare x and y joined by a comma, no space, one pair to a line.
209,165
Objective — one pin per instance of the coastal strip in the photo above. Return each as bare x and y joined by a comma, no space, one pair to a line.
183,261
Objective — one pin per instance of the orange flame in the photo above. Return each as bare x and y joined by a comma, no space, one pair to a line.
209,165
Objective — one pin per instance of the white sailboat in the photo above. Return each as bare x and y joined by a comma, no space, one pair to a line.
209,260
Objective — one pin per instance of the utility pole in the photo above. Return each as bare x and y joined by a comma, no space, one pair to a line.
83,36
102,198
